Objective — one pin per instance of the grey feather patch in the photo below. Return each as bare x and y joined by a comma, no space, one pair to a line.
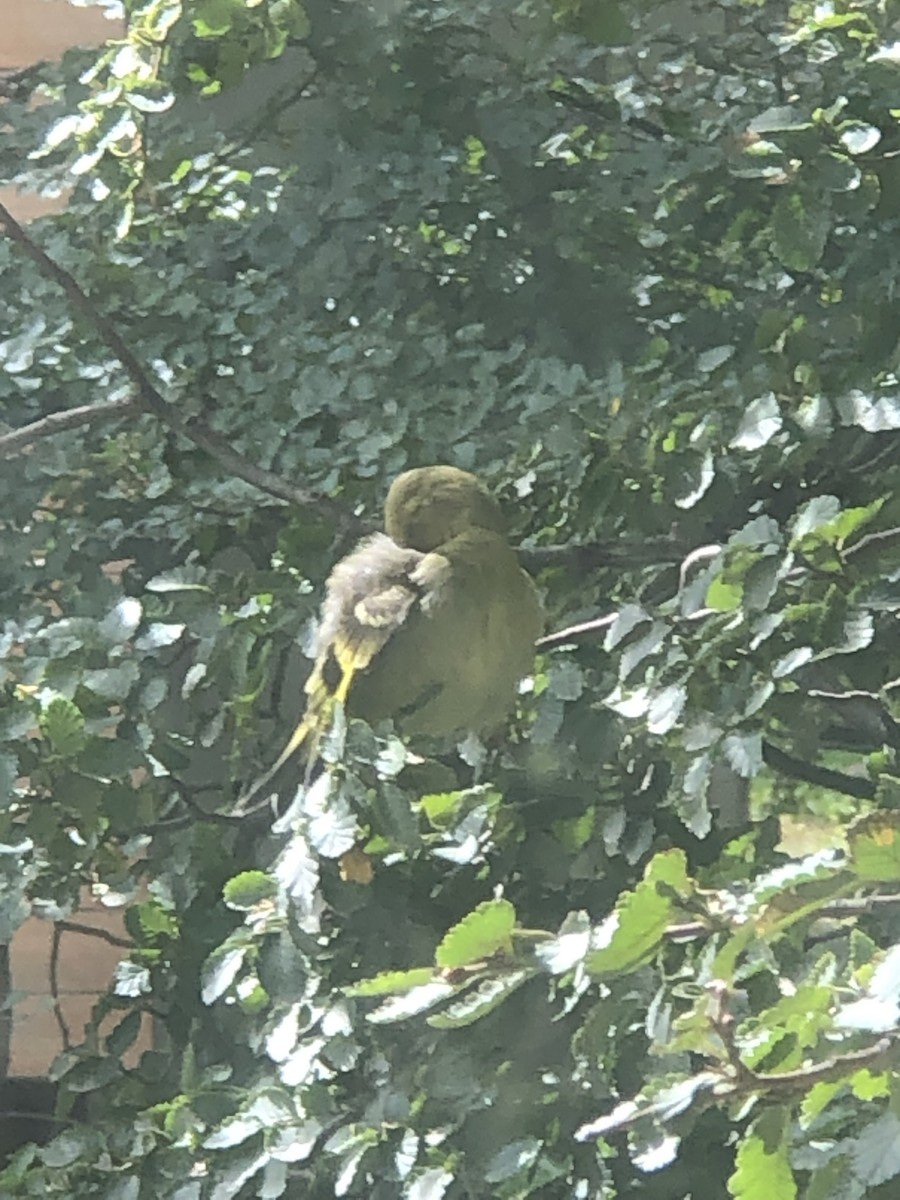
385,608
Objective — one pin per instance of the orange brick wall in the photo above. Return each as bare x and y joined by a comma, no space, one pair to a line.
43,1023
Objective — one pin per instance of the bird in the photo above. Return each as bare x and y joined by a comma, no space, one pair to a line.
432,623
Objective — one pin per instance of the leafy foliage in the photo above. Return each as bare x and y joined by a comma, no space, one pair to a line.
635,265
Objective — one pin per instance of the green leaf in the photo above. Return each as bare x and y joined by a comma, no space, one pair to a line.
478,1001
485,931
391,983
181,579
221,969
759,424
876,1152
429,1185
112,683
665,708
744,753
820,513
512,1160
410,1004
800,227
248,890
874,845
710,360
159,635
62,723
763,1170
634,931
781,119
124,1035
565,679
722,596
873,415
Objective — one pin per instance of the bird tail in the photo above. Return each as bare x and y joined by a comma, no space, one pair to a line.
309,733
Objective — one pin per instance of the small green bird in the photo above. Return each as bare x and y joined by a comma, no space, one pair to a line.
432,623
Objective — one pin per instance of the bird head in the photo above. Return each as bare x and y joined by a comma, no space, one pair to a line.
428,506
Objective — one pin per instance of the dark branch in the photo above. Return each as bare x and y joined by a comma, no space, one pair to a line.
19,439
837,781
64,1031
94,931
148,397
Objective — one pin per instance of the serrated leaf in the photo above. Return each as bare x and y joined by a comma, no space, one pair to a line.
792,661
744,753
391,983
124,1035
159,635
568,948
232,1132
62,724
631,935
876,1152
763,1171
709,360
722,596
512,1159
331,826
697,475
131,979
565,679
483,932
780,119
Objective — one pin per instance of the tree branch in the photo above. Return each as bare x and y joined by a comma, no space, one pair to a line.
64,1031
837,781
17,440
715,1086
879,1056
883,539
148,397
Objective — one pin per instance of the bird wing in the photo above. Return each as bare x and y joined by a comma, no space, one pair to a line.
437,641
368,597
455,661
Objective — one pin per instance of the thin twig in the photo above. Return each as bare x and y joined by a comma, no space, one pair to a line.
597,625
95,931
884,537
